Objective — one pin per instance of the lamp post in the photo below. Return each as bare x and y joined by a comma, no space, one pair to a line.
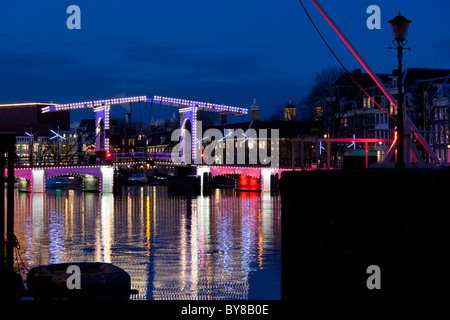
399,28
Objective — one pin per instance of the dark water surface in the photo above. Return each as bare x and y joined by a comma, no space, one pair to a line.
223,246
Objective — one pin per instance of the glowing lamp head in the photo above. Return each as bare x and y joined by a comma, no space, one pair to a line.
399,27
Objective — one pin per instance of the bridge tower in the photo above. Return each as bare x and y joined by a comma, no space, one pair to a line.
188,113
102,127
101,109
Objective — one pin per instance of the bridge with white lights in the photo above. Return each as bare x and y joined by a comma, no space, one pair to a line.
103,171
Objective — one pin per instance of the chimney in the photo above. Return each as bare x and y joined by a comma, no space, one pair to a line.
223,118
357,72
128,119
254,110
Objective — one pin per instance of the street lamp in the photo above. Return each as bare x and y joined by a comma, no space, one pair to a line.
399,28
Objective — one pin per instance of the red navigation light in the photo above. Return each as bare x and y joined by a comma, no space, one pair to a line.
202,155
108,155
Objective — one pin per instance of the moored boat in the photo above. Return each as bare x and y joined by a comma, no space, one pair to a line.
97,280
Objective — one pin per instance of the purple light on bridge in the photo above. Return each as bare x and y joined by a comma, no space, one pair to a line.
198,104
93,104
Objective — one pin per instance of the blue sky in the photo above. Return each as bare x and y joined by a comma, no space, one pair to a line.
226,51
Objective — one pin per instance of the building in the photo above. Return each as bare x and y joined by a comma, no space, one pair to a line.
289,111
427,93
348,112
23,117
41,150
261,145
27,118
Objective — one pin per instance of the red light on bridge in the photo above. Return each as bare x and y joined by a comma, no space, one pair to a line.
108,155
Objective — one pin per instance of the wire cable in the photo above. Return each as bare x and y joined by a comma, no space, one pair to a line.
340,62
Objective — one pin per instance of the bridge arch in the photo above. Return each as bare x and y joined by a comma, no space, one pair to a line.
88,182
91,176
262,176
242,182
37,176
224,181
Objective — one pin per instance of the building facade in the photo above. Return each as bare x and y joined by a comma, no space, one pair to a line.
348,112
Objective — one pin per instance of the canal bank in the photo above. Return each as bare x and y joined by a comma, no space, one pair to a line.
223,246
338,223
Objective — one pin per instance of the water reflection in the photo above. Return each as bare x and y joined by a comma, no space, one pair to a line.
224,246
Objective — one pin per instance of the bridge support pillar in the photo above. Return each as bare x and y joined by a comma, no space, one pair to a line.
37,180
189,156
107,179
200,172
102,128
265,179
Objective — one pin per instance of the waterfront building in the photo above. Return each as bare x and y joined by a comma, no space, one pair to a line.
22,117
427,94
348,112
45,150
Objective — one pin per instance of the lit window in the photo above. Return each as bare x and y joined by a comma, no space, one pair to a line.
365,102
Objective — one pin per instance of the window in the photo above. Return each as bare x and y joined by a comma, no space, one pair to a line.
318,112
383,102
366,103
392,109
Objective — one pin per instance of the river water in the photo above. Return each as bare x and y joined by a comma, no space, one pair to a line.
223,246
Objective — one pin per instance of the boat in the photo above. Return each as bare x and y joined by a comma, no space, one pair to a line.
98,280
138,178
158,179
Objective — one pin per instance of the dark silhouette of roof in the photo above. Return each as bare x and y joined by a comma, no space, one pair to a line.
412,75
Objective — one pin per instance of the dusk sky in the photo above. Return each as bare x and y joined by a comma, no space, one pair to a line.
225,51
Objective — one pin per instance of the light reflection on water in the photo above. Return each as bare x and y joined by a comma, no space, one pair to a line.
225,246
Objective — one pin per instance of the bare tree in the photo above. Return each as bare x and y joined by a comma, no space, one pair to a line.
278,113
320,92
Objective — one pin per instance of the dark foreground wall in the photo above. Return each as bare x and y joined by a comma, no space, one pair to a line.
338,223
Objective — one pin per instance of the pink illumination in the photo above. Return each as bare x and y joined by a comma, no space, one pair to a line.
376,79
346,140
355,53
